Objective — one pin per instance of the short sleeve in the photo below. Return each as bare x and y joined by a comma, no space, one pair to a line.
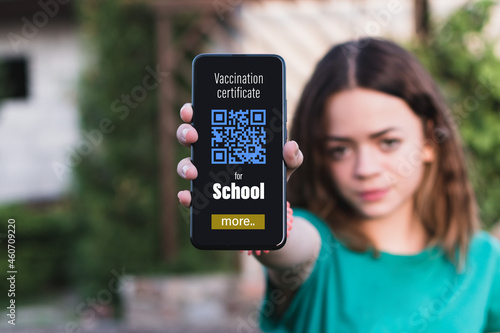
493,314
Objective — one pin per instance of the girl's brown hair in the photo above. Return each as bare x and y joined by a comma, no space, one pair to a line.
444,201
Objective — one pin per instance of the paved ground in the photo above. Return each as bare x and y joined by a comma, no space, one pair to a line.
53,315
121,329
59,315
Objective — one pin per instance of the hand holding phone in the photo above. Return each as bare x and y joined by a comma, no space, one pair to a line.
238,191
187,135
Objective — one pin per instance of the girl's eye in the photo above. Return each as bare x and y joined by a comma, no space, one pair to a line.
337,152
390,144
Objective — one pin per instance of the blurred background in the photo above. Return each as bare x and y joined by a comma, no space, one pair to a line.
90,92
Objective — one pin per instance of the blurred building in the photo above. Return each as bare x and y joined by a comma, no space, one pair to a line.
41,57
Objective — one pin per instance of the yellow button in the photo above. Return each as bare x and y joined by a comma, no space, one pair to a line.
238,221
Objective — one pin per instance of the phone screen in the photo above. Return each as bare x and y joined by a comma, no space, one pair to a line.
239,111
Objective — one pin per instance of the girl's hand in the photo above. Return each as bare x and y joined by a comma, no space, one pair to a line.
187,135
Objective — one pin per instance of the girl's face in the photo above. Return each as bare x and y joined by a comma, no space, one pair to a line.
376,150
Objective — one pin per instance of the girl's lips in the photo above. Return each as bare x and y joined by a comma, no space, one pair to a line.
373,195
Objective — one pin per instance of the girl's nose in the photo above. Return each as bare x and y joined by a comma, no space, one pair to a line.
367,163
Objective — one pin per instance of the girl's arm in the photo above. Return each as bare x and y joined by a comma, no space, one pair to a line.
291,265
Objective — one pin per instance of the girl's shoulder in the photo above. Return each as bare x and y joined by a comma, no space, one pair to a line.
328,238
484,244
315,220
484,253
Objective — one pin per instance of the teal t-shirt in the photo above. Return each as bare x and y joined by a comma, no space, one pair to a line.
353,292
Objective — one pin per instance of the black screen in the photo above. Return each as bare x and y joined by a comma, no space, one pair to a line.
238,198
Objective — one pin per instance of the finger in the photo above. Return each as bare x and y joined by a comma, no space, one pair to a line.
289,216
293,157
258,252
186,135
187,113
186,169
184,198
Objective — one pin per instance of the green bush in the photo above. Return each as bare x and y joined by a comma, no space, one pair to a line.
43,242
461,57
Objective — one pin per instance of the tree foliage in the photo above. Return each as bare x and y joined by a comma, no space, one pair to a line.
460,54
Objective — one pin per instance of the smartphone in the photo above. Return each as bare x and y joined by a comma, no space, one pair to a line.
239,110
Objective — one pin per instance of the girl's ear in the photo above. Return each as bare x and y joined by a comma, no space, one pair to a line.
428,153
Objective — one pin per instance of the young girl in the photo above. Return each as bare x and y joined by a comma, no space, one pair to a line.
386,236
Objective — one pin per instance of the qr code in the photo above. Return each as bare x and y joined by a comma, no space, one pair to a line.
238,136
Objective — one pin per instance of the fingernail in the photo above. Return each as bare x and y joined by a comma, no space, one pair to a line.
182,108
185,132
296,149
185,168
